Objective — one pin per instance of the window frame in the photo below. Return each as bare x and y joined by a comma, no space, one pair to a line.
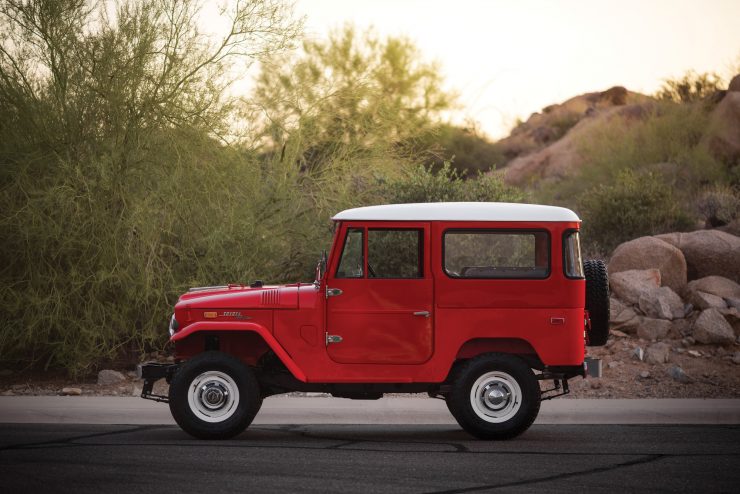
522,231
347,231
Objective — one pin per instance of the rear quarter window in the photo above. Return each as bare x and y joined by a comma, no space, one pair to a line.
502,254
572,260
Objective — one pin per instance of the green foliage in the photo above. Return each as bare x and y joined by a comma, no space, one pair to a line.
465,148
634,205
642,175
423,184
352,91
114,193
690,88
719,205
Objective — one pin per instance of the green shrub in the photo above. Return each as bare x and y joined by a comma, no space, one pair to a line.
423,184
634,205
691,87
719,205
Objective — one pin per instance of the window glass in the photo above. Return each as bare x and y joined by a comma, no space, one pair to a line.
394,253
573,262
496,254
352,261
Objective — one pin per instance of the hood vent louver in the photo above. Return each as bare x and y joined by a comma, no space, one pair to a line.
271,296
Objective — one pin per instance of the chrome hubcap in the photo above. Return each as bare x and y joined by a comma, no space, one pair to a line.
213,396
495,397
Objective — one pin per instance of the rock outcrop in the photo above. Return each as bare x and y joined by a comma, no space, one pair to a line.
724,138
546,145
662,303
711,327
630,285
716,285
651,252
708,252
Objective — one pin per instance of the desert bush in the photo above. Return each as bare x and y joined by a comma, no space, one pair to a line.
424,184
634,205
718,205
116,188
464,147
691,87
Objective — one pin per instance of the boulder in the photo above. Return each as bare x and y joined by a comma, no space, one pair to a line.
715,285
653,329
72,391
657,353
623,318
732,316
108,376
661,303
680,328
708,252
651,252
723,137
702,300
630,285
711,327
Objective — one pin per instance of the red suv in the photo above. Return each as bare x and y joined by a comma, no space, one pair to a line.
473,303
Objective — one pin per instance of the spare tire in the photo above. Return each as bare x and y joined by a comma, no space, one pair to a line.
597,301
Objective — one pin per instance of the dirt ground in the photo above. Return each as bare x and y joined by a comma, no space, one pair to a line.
710,372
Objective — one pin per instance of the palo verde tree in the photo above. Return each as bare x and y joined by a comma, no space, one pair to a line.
113,120
354,90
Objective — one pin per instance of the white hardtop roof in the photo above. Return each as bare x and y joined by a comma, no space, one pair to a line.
458,211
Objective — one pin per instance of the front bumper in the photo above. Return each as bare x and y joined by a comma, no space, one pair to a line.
152,372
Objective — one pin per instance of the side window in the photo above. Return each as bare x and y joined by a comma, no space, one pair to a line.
573,264
496,254
352,261
394,253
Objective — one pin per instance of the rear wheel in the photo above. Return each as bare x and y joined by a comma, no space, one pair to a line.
494,396
214,396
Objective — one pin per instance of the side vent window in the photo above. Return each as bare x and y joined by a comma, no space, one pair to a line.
352,261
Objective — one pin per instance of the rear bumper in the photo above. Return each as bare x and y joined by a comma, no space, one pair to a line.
152,372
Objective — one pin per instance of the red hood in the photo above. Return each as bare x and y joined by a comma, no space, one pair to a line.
242,297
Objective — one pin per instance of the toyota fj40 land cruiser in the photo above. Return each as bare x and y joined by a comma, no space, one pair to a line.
474,303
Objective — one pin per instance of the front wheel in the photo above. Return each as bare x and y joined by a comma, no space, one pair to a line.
214,396
494,396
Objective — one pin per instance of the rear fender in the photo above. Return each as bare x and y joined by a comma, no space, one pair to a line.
226,328
514,346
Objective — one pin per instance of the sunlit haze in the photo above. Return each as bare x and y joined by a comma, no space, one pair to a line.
508,59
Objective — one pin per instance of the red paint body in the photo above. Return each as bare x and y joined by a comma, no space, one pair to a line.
382,340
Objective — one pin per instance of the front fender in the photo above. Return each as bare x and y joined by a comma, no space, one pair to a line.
221,326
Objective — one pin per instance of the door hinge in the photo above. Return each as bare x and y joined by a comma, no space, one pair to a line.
333,338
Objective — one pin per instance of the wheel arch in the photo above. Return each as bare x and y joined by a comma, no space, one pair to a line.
246,341
511,346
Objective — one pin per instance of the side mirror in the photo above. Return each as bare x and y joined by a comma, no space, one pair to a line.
321,268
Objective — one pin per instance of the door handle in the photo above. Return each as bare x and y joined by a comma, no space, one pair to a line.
422,313
332,292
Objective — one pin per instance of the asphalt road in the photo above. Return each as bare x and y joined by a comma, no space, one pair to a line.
369,458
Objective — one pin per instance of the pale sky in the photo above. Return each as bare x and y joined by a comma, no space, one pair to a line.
510,58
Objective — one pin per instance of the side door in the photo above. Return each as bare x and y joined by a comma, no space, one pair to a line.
380,303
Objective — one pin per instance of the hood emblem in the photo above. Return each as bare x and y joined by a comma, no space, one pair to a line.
237,315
